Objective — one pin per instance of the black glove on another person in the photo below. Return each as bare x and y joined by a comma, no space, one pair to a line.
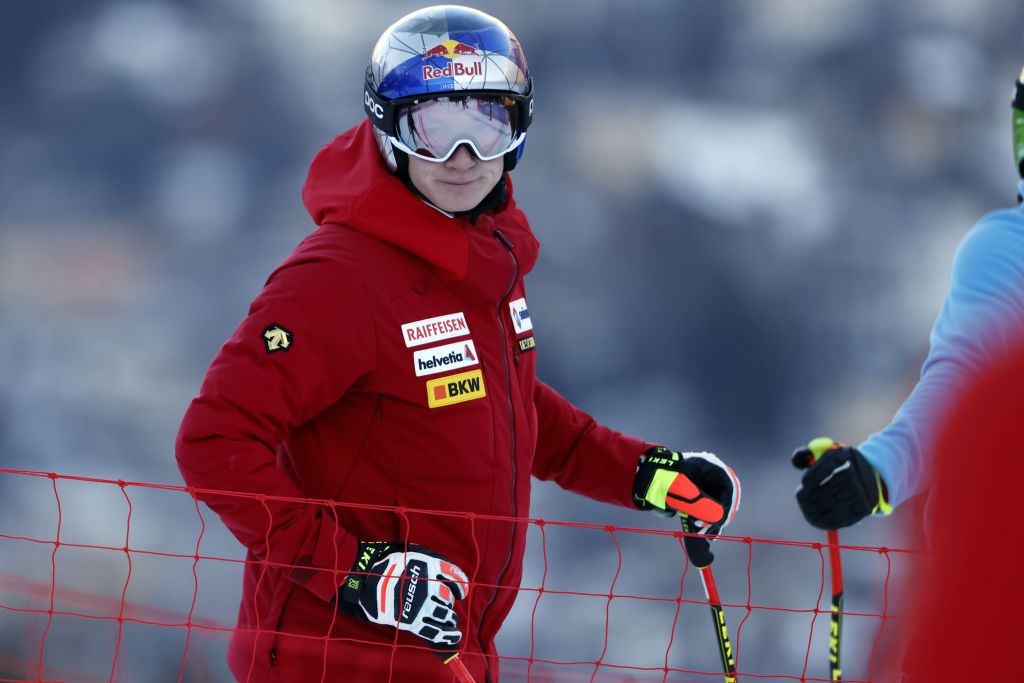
839,487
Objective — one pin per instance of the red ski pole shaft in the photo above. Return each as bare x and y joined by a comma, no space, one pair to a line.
718,615
462,674
835,634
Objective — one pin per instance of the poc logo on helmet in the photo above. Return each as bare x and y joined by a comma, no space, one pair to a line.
372,106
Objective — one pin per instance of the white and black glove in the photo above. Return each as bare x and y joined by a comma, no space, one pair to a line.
699,486
409,587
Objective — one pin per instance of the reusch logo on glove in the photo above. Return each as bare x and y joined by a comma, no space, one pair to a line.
445,391
410,590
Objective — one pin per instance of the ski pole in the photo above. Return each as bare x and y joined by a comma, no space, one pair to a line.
462,674
717,613
454,663
835,637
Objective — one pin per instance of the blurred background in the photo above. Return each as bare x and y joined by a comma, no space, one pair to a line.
747,212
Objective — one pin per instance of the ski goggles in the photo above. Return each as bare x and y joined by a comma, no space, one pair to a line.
432,128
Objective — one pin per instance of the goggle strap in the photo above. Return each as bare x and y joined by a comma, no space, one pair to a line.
380,111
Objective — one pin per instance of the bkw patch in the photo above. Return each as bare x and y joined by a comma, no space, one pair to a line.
465,386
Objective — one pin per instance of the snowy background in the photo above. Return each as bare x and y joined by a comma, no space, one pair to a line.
747,213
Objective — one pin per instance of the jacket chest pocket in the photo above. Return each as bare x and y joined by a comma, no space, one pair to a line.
429,355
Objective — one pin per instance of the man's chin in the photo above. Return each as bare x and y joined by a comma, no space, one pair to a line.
457,204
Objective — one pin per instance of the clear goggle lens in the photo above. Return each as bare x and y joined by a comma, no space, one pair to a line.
433,129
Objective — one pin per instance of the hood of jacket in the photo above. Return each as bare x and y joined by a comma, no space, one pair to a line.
348,184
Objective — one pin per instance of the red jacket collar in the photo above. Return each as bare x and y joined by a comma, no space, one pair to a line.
349,184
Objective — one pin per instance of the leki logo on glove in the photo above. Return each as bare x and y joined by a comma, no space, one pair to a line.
277,338
445,391
444,358
434,329
520,316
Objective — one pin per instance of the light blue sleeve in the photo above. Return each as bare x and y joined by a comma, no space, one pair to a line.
981,317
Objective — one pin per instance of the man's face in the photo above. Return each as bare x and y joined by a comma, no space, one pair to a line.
457,184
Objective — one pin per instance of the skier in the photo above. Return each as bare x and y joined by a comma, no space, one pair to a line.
370,429
982,316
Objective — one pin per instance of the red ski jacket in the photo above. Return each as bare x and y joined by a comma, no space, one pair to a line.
388,365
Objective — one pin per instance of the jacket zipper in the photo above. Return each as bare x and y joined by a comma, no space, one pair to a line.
512,433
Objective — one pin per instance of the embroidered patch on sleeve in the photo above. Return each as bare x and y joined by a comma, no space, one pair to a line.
277,338
527,343
465,386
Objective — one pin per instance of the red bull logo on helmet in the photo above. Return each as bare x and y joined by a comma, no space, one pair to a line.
451,49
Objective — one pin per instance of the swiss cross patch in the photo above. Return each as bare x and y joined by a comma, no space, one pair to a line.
277,338
520,315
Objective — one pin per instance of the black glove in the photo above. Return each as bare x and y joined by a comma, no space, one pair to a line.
699,486
408,587
840,487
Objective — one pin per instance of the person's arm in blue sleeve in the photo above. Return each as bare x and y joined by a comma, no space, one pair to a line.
982,313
